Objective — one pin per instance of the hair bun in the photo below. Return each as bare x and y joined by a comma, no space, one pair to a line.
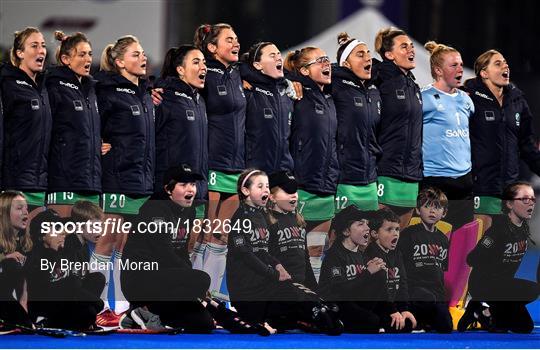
343,37
431,46
60,36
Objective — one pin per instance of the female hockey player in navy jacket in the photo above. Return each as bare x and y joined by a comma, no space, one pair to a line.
313,145
27,118
75,154
400,130
181,124
226,110
269,110
127,123
358,107
501,132
127,117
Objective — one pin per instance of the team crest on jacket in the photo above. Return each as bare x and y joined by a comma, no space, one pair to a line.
222,90
34,104
77,104
518,119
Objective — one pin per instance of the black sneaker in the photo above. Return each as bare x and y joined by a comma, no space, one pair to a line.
470,318
126,322
326,320
485,321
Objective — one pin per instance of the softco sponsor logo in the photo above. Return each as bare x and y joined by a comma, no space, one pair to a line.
69,85
477,93
351,83
181,94
127,91
267,93
217,70
22,82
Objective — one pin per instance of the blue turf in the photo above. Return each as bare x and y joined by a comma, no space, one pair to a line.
481,340
223,340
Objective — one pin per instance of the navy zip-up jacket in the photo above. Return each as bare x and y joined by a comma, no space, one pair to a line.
400,128
358,107
500,136
226,109
127,123
27,130
313,139
268,120
75,153
181,131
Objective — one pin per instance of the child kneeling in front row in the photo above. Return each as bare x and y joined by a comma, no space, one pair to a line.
348,278
425,255
394,311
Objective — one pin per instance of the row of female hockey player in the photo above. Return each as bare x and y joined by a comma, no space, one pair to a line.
354,138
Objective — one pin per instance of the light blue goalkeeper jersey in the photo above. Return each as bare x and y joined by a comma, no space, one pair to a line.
446,145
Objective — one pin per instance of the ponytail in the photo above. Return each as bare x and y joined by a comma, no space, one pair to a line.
115,51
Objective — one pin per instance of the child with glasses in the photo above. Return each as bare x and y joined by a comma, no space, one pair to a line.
495,260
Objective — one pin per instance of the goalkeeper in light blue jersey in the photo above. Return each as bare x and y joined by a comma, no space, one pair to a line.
446,145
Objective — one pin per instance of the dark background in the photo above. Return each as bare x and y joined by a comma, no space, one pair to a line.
471,26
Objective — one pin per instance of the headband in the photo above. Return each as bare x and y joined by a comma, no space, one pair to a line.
257,50
348,50
248,176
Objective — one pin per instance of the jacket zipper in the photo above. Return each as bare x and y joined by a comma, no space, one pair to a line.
280,131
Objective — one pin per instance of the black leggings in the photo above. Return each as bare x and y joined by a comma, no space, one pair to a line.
507,299
429,311
79,307
11,278
359,317
284,306
171,293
